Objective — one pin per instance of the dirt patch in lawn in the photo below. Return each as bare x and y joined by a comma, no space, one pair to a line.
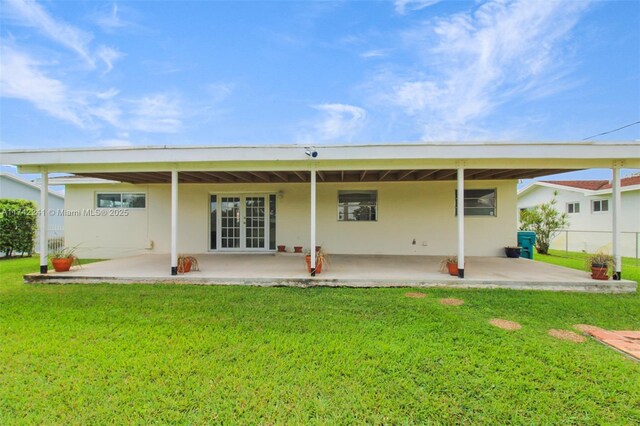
505,324
567,335
450,301
415,295
586,328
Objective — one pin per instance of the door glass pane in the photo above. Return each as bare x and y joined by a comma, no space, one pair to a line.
272,222
230,229
255,222
213,225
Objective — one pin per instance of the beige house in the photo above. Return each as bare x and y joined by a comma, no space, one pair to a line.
360,199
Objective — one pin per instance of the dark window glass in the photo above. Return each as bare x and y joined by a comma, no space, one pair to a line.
357,205
478,202
272,222
109,201
134,201
214,223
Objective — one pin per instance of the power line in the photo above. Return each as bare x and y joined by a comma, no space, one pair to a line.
611,131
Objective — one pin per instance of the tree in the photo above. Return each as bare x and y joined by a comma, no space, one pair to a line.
545,221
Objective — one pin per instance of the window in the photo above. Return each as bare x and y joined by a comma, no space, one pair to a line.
123,200
599,206
357,205
478,202
573,208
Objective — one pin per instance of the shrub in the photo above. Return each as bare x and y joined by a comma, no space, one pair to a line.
17,226
545,221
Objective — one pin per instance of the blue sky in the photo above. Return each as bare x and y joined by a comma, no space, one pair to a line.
94,73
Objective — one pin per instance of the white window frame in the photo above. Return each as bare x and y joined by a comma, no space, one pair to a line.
573,204
121,193
600,200
356,191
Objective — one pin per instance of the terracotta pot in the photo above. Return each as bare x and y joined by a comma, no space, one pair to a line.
282,249
186,267
318,264
599,273
453,269
297,249
62,264
318,248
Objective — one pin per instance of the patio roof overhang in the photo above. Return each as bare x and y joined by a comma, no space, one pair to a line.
334,163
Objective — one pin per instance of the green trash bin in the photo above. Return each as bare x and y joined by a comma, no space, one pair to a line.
526,240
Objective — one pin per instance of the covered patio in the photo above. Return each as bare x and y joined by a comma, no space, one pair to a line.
278,269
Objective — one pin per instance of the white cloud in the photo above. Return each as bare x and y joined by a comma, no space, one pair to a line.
22,79
30,13
111,20
476,61
339,121
114,142
219,91
108,55
158,113
375,53
401,6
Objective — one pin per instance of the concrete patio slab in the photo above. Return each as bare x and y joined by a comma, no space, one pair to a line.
276,269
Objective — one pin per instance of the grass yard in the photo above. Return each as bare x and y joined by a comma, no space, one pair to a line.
575,260
78,354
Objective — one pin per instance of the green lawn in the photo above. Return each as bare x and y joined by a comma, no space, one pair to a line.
78,354
575,260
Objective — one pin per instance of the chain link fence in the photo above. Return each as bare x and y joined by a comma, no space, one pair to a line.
575,241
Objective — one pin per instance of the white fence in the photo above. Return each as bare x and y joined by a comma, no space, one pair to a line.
55,235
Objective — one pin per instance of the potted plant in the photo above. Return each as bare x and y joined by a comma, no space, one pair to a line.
601,265
282,249
513,252
297,249
63,258
321,259
187,263
449,264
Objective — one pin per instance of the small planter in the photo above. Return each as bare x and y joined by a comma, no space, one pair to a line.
453,269
282,249
599,272
318,248
62,264
319,263
297,249
186,267
513,252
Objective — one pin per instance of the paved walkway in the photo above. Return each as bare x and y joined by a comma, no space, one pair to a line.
271,269
624,341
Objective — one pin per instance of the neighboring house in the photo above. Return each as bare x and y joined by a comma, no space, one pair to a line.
588,207
12,186
387,199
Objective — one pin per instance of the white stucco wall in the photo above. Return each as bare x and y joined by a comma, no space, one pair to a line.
423,211
589,231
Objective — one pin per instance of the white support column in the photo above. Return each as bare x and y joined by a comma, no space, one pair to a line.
44,221
461,222
174,222
313,222
615,206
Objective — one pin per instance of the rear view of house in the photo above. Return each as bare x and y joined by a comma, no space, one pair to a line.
400,199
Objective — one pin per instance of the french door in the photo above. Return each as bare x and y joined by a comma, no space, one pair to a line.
242,223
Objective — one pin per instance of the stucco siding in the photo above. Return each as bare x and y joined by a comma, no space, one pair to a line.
420,211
